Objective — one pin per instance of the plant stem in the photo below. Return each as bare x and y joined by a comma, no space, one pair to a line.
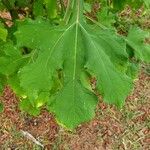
62,6
68,11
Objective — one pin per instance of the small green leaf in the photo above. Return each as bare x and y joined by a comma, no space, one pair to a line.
1,107
134,4
3,81
22,3
2,7
147,3
25,105
133,70
136,40
87,7
119,4
11,60
51,8
14,82
106,17
3,33
38,8
42,99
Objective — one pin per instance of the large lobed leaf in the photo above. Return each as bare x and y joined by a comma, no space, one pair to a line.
76,49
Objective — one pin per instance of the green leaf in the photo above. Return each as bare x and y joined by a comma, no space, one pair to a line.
38,8
1,107
133,70
22,3
119,4
1,86
11,59
134,4
147,3
1,5
87,7
14,82
51,8
3,32
25,105
75,49
106,17
136,40
3,81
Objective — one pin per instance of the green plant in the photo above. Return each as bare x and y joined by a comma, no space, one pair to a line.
1,107
49,60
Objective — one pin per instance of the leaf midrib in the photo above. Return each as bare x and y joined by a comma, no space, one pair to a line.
75,54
